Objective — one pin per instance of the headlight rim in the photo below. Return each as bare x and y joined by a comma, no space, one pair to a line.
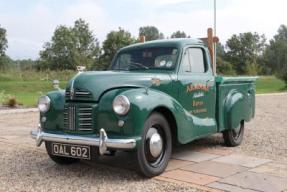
48,104
128,104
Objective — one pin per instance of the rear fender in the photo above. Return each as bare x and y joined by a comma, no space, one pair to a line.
236,109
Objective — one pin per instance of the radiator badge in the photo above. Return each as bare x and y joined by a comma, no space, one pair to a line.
72,92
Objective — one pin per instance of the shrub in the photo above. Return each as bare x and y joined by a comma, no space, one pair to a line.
12,102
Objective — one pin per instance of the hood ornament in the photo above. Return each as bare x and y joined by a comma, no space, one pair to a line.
81,69
155,81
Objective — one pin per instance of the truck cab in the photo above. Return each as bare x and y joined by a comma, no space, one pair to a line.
155,94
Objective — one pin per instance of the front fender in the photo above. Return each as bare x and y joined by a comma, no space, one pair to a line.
55,114
145,101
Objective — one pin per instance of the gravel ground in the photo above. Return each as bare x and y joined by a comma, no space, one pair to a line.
23,167
265,136
28,170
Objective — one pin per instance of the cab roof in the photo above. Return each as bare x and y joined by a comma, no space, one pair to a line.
176,42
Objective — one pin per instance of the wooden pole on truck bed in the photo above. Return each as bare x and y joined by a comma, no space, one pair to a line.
210,41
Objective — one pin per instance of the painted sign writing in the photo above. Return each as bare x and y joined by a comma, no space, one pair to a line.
197,87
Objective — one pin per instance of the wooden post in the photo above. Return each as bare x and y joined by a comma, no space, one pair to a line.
210,40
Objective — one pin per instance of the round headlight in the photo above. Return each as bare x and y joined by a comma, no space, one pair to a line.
121,105
44,104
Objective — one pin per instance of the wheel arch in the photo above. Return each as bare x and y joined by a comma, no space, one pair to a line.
236,109
171,121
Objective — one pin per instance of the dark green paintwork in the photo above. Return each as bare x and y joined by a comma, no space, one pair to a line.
228,100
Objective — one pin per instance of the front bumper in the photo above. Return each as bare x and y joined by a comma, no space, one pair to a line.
103,142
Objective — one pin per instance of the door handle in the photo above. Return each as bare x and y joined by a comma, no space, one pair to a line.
209,81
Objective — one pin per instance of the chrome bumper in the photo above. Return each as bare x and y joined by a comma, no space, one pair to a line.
103,142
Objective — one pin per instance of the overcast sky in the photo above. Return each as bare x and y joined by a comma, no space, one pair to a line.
31,23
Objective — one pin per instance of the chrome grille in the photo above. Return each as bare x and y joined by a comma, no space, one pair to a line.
85,118
78,94
70,118
78,118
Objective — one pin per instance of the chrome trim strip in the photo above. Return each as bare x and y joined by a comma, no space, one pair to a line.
85,113
82,93
103,142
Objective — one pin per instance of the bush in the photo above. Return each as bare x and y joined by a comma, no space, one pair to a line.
7,99
12,102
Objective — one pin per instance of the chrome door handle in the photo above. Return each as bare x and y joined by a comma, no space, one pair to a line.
209,81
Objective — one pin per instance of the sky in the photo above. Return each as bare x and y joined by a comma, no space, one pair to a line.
30,24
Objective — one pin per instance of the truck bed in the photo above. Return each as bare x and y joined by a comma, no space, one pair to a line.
235,99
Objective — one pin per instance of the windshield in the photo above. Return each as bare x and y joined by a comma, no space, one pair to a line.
146,58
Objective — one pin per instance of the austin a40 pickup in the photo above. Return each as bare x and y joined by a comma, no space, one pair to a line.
154,95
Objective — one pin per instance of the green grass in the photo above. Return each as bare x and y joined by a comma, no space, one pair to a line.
270,84
29,85
27,92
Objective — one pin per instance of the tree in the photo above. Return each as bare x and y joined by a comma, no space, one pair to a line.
178,34
70,47
244,50
275,54
223,67
3,41
150,33
3,47
114,41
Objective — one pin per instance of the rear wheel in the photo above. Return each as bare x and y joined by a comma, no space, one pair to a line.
155,149
58,159
234,137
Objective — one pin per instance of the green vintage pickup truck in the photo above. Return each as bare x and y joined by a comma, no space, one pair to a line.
155,94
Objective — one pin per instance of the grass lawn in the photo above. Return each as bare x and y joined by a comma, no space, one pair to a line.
28,88
270,84
29,85
27,92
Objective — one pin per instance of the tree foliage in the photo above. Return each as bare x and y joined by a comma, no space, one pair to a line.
3,46
3,41
150,33
114,41
70,47
275,54
223,67
244,50
178,34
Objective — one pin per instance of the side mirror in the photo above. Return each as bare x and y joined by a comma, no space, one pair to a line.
81,69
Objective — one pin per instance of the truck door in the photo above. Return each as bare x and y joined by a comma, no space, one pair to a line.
197,91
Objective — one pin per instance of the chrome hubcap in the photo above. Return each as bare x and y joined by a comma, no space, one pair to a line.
155,145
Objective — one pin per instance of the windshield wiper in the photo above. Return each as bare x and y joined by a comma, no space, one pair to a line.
139,65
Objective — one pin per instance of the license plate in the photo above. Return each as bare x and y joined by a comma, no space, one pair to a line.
74,151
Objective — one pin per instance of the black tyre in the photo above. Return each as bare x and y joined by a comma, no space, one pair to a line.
156,146
234,137
58,159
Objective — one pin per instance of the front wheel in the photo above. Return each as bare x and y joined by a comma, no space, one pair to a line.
234,137
155,149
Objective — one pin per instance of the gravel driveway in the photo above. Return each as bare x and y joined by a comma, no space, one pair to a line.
23,167
265,136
